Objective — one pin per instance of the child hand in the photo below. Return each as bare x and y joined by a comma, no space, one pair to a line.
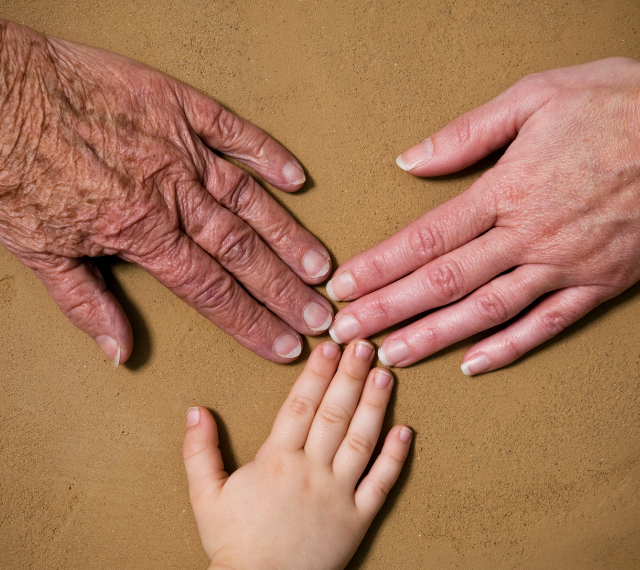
296,504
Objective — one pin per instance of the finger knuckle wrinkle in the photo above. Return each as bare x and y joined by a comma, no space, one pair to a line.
334,414
215,294
427,242
445,279
554,322
462,131
301,407
238,249
380,487
239,194
193,449
360,444
227,125
492,308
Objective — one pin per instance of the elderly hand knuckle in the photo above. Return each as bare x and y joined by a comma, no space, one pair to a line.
238,193
239,249
462,131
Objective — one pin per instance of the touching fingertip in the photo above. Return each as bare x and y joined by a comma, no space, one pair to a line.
193,416
405,434
330,350
341,286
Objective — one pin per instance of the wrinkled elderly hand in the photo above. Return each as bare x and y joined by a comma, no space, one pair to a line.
557,219
100,155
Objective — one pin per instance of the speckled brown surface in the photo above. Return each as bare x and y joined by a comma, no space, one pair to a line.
535,466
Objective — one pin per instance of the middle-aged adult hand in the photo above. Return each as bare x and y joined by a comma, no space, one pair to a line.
558,217
101,155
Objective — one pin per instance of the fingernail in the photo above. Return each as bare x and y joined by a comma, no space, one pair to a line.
393,352
110,347
345,329
364,351
287,346
293,173
405,434
416,155
315,264
476,365
193,416
341,286
317,316
330,350
382,378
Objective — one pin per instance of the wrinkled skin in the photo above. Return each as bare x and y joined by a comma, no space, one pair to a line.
100,155
302,503
557,220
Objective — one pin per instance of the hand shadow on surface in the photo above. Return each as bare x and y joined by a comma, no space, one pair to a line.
142,343
360,557
224,444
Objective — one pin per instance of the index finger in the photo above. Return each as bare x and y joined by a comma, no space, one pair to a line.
433,234
230,134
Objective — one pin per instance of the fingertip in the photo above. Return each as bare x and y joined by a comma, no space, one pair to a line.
416,156
294,175
288,346
330,350
405,434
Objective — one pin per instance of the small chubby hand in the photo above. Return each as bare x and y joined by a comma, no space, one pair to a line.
298,504
556,220
101,155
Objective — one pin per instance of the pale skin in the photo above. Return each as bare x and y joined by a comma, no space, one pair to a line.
556,220
298,504
101,155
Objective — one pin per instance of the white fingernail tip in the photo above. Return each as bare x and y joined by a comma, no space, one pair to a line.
465,369
293,173
333,336
402,164
325,326
116,360
382,357
294,353
324,270
329,290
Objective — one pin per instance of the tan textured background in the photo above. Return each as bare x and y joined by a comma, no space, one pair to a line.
535,466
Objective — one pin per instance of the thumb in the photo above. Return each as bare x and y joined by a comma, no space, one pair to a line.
202,458
478,133
78,288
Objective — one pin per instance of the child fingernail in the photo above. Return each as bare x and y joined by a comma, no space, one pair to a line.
476,365
193,416
315,264
364,351
382,378
330,350
416,155
341,286
405,434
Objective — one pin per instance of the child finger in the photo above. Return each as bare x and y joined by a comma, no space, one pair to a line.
355,450
336,410
375,487
291,427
